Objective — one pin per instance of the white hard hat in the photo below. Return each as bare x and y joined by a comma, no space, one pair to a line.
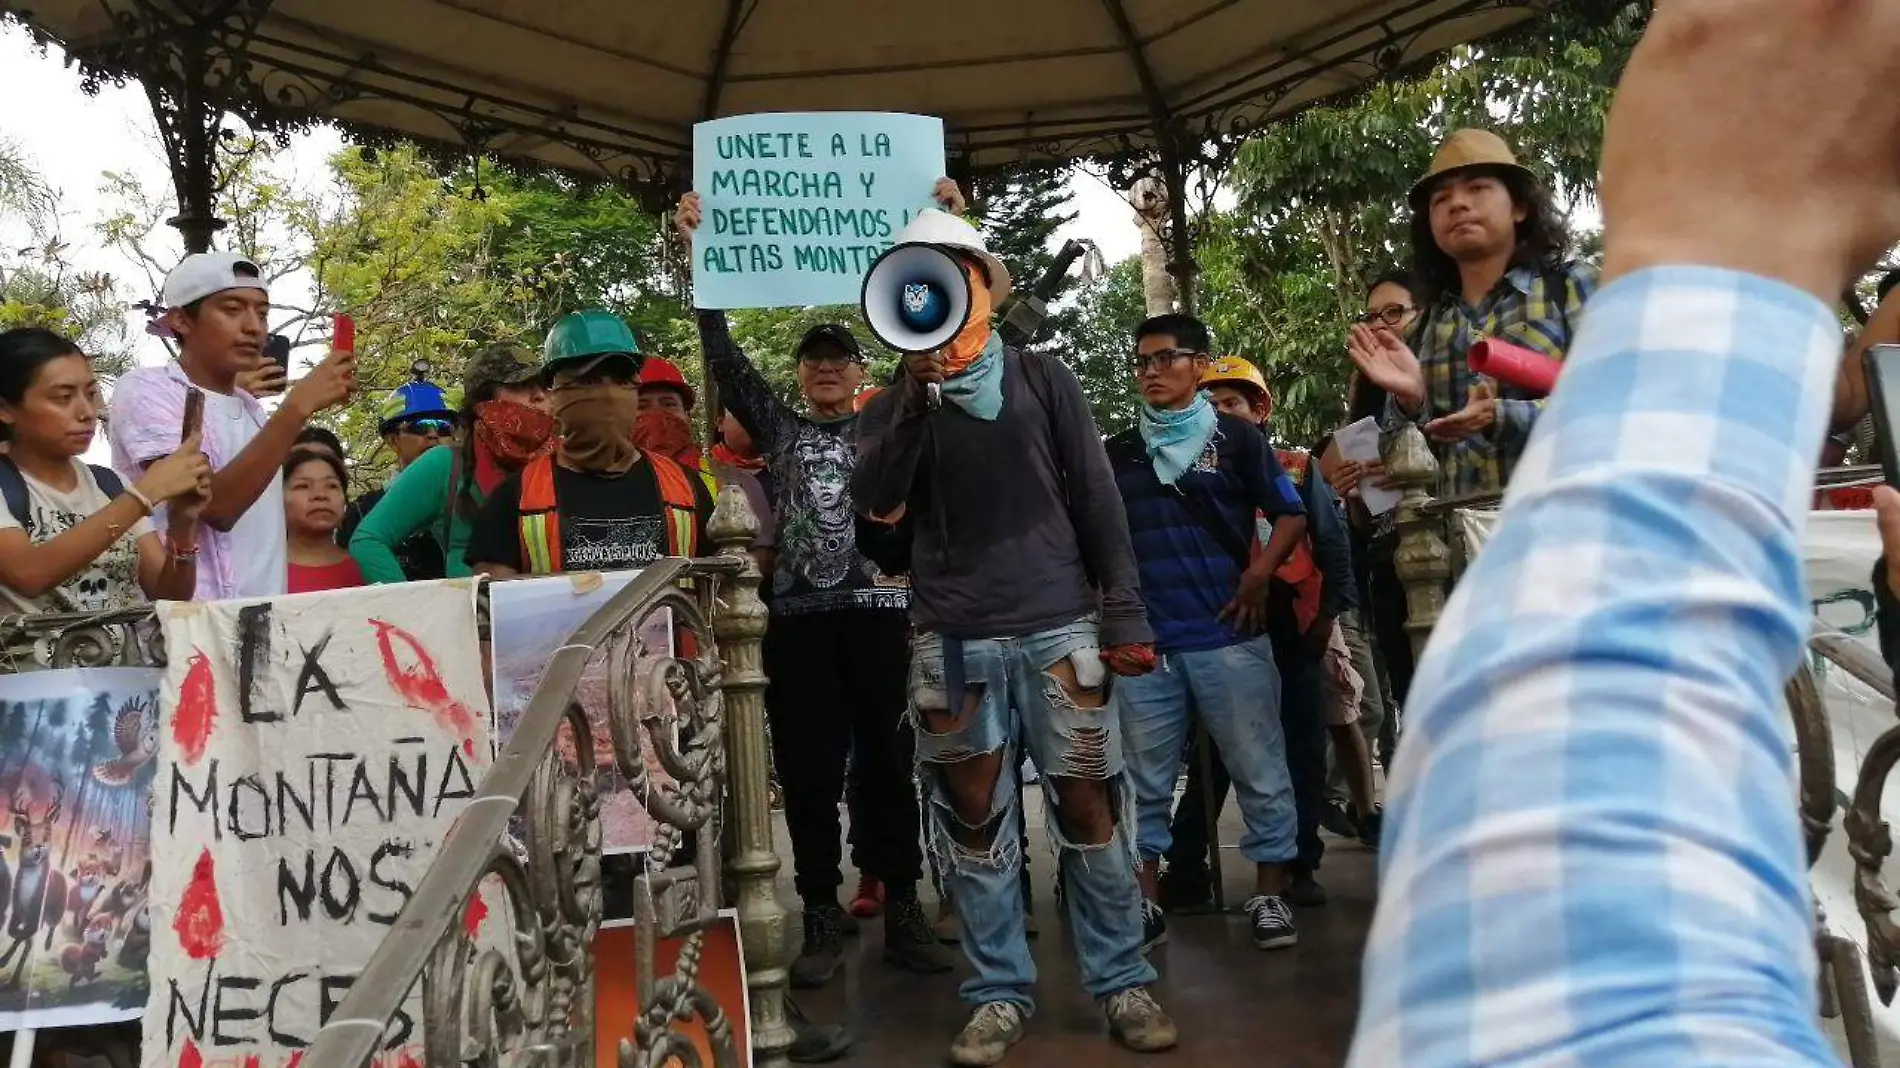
932,226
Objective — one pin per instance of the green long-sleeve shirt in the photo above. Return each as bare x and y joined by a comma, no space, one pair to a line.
415,501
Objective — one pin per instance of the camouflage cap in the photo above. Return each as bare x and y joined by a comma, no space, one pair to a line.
503,362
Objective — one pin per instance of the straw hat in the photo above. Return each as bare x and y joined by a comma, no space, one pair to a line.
1464,150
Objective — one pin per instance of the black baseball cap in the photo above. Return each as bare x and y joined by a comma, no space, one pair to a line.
831,334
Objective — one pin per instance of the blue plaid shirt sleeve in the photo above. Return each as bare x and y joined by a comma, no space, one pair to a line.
1592,854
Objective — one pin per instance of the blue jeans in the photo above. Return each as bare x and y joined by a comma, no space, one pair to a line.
1018,703
1236,691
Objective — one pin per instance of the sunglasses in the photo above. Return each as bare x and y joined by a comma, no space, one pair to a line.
826,357
426,427
1161,359
1390,315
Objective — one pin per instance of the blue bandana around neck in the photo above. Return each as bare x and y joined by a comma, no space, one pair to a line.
1175,438
979,389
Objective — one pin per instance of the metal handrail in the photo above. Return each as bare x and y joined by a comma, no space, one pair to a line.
353,1034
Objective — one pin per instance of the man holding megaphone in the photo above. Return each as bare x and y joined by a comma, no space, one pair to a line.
1025,598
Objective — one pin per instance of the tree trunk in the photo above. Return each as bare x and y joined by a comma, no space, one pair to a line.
1149,198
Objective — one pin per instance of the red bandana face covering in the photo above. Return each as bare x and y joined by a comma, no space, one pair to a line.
667,434
722,453
508,435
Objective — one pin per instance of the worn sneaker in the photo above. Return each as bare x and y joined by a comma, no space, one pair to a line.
869,900
1305,891
823,950
1371,826
909,941
1272,922
993,1028
1336,816
948,927
1154,925
1138,1022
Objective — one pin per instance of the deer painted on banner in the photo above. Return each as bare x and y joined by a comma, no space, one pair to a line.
39,888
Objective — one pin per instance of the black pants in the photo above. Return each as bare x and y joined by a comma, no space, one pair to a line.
837,693
1388,627
1302,722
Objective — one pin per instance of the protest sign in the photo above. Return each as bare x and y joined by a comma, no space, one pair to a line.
796,205
313,752
720,976
528,620
76,748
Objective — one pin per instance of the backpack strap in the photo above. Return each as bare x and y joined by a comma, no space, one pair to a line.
679,504
13,486
13,489
109,482
540,519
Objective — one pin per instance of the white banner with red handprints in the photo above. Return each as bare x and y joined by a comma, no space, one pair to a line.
313,753
76,766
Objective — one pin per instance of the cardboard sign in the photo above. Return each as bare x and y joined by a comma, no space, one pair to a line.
617,988
313,752
796,205
529,619
76,765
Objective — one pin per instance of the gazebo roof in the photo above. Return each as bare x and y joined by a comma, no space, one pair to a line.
612,88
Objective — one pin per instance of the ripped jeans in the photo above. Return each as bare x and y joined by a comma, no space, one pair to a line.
1018,702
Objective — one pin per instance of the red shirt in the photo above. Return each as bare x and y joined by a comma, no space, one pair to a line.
342,575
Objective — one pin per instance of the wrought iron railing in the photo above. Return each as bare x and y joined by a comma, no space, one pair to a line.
699,716
1431,554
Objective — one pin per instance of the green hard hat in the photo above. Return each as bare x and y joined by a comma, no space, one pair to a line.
588,333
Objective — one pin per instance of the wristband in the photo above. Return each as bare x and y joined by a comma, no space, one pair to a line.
144,501
182,555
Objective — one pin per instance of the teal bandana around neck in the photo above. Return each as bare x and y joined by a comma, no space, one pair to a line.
979,389
1175,438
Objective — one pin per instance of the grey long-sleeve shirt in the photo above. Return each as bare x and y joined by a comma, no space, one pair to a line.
1018,525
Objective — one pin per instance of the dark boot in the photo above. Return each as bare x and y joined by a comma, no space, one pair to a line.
823,950
909,941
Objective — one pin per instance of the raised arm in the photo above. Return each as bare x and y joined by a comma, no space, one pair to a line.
742,389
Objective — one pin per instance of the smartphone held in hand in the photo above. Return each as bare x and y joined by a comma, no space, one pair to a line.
1883,382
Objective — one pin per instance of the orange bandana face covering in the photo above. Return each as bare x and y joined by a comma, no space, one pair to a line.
968,345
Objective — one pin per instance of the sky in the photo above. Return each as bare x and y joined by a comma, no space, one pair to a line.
73,139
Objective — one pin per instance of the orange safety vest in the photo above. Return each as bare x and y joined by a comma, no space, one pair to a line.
1299,571
541,518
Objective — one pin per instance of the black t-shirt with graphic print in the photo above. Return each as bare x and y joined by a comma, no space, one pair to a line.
607,524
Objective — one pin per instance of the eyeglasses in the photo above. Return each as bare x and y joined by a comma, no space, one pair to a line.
425,427
826,357
1160,359
1390,315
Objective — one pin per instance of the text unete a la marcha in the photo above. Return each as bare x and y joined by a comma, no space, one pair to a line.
796,144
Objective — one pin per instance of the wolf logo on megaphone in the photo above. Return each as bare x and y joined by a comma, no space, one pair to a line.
916,295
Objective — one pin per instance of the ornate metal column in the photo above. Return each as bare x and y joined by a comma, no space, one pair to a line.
191,59
751,864
1423,562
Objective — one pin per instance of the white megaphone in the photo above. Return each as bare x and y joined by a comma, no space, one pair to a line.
916,296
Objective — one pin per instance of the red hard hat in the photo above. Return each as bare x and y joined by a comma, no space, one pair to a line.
657,373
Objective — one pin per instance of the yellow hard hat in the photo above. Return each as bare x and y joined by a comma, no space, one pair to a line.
1234,371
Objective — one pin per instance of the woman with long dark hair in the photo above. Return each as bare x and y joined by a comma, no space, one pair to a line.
504,424
74,538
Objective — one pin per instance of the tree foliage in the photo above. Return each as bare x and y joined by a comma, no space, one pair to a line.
1320,201
39,283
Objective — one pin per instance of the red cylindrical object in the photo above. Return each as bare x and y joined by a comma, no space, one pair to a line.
343,334
1514,366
